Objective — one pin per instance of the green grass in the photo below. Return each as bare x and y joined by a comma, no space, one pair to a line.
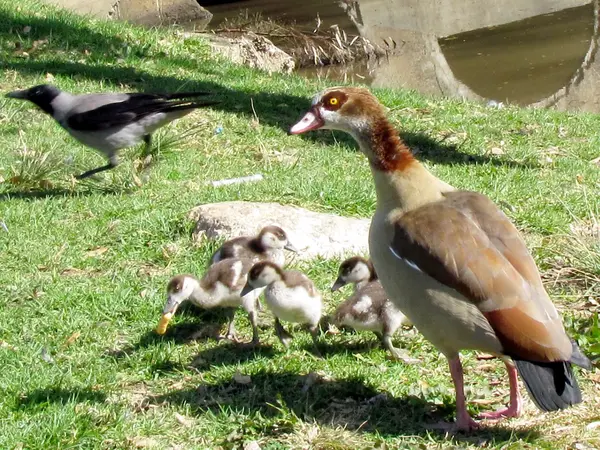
83,266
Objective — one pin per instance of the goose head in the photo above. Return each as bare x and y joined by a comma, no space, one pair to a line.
358,112
350,109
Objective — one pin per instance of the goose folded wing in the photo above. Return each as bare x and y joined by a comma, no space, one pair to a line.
465,242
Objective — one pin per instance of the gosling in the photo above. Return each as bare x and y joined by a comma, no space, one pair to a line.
290,295
369,308
268,245
221,286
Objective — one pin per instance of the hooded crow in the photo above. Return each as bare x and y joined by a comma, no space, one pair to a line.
110,122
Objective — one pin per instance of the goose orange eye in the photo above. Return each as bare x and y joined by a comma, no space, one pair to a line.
333,101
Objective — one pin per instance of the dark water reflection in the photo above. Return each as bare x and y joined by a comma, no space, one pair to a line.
522,61
540,52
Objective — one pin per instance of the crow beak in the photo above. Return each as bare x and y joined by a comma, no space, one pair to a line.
247,289
311,121
17,94
290,247
338,284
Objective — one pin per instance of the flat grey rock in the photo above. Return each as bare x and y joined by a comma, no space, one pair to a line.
314,234
251,50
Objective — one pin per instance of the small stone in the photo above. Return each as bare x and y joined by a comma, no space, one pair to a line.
46,356
242,379
251,445
253,51
592,425
182,420
144,442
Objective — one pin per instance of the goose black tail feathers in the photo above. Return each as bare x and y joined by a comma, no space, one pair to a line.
553,385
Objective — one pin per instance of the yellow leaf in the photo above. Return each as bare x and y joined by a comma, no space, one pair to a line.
95,252
73,338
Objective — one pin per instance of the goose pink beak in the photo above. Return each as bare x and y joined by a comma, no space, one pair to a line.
311,121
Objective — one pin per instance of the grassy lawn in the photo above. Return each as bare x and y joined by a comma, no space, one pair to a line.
83,266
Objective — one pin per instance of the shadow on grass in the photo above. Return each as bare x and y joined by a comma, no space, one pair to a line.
230,353
357,344
194,325
57,31
34,194
349,403
430,149
45,397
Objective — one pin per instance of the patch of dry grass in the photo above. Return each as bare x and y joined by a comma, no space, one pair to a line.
317,47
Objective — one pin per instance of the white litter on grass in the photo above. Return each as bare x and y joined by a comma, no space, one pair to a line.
3,226
228,181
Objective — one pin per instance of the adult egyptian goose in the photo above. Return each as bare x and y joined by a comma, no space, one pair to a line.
454,264
369,308
221,286
290,295
109,122
268,245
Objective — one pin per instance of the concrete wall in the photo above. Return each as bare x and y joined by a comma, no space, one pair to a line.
446,17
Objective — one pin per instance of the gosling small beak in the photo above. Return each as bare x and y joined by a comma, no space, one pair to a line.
171,305
247,289
338,284
290,247
311,121
17,94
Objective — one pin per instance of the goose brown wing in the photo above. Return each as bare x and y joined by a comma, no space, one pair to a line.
465,242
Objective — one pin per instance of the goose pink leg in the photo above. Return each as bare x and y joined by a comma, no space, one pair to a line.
464,422
515,405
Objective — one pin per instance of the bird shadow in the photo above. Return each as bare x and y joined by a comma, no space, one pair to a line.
198,325
345,346
349,403
32,194
55,395
230,353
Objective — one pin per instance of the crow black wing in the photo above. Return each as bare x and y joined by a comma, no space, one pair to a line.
132,109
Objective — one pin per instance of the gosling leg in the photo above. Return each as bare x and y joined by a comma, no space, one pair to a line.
399,355
231,335
282,334
314,332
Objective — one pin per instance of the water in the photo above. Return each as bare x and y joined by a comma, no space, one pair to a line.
541,52
523,61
